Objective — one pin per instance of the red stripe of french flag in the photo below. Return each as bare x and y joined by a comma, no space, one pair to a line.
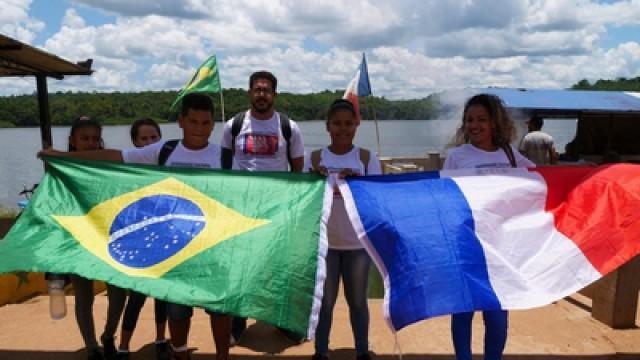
597,209
358,86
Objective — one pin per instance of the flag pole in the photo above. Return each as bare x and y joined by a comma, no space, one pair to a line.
222,105
375,121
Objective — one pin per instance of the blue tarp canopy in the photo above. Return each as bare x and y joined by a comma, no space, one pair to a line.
567,100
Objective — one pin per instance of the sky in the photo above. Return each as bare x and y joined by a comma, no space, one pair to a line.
413,47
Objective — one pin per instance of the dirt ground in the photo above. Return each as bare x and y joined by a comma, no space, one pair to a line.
562,331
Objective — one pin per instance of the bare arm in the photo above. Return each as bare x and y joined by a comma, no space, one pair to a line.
104,155
553,155
297,164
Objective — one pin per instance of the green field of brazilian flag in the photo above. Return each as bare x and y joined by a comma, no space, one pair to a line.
234,242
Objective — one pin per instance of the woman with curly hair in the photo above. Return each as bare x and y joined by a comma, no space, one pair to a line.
484,141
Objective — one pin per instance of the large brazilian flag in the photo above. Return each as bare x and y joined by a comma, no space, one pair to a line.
247,244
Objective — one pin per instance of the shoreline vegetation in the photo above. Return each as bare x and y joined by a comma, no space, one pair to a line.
123,108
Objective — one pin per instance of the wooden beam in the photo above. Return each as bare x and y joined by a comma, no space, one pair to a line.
45,116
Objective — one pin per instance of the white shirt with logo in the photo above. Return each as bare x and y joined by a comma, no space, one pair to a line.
260,145
467,156
339,229
206,158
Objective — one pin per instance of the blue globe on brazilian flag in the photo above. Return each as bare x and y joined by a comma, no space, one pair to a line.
241,243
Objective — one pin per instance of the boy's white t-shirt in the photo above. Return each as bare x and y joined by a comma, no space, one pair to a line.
339,229
206,158
468,156
260,145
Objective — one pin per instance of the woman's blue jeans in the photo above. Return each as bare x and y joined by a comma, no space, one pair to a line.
353,266
495,337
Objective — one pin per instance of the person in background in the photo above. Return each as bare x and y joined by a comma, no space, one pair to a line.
538,146
484,141
86,135
143,132
346,258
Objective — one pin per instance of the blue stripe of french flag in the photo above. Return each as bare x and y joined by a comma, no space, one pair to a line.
486,239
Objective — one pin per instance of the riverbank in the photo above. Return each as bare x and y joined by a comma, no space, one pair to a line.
561,331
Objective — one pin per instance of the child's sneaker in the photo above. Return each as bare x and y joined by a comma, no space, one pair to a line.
95,355
162,350
122,355
109,348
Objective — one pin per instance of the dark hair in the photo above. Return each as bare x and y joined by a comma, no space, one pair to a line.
536,122
340,104
140,122
80,123
265,75
503,129
196,101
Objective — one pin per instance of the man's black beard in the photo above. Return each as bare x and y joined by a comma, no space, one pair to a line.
262,110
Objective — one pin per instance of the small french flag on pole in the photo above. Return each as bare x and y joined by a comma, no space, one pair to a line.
359,86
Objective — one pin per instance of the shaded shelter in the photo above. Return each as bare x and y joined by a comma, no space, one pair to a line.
20,59
608,121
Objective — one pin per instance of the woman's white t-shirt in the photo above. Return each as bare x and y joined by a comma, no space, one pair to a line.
468,156
339,229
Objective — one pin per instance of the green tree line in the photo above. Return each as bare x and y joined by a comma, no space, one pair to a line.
124,108
619,84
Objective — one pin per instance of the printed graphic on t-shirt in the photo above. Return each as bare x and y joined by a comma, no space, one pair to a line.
493,165
260,144
190,165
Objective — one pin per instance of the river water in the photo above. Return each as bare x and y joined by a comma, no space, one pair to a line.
19,165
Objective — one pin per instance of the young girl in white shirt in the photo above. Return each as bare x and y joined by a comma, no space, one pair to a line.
346,258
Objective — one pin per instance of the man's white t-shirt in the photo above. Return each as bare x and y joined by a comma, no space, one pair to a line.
339,229
260,145
467,156
205,158
537,145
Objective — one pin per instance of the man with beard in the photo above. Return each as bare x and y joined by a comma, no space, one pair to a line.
262,139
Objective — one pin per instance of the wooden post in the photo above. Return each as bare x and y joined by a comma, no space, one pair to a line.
43,107
615,297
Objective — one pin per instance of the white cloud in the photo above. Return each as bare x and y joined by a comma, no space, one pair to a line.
15,20
414,47
183,9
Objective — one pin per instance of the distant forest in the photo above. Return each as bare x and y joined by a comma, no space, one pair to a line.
124,108
620,84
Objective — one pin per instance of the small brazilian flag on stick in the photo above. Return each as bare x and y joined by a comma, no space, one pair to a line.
241,243
206,79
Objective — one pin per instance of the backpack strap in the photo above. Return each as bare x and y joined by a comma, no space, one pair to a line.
166,151
285,127
315,159
227,154
365,156
509,152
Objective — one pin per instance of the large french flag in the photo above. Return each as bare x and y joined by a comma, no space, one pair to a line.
487,239
358,86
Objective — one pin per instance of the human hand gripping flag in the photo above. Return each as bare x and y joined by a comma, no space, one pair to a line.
487,239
